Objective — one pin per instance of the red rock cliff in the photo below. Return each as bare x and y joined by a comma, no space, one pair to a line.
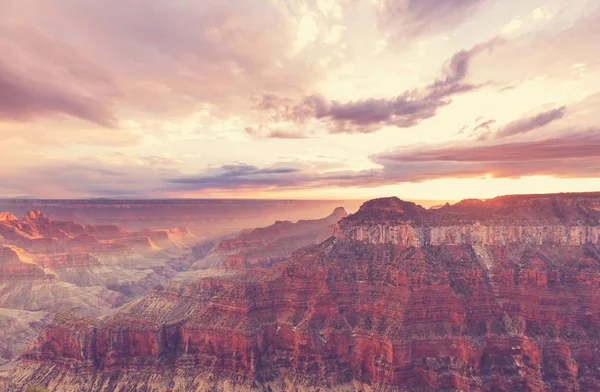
365,312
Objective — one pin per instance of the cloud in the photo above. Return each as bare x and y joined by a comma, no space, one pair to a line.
264,132
24,98
513,25
279,134
487,130
574,154
572,145
164,59
484,126
173,71
237,176
571,155
548,52
84,177
413,18
542,13
367,115
531,123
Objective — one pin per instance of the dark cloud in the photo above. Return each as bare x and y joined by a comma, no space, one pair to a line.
570,146
237,176
413,18
25,98
571,155
488,130
532,123
403,111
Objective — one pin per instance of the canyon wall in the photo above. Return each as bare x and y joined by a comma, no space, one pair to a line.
474,234
501,295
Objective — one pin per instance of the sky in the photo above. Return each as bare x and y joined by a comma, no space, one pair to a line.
301,99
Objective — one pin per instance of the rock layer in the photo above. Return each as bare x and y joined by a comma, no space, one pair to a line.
362,312
47,266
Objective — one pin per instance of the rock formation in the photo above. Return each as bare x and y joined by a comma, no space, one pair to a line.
265,246
206,218
48,266
12,266
499,295
7,216
559,220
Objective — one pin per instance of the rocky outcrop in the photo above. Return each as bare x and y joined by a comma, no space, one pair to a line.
12,267
7,216
353,313
36,216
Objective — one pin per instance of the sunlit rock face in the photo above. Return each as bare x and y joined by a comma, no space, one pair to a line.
7,216
558,219
501,295
11,265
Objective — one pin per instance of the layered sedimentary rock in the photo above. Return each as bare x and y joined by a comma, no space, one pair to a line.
12,265
38,234
262,247
362,312
501,221
48,266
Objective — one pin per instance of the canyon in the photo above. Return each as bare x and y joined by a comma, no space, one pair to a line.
494,295
49,266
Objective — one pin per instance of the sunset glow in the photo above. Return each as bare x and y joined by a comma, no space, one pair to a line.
299,99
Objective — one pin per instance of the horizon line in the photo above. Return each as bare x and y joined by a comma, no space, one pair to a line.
275,199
